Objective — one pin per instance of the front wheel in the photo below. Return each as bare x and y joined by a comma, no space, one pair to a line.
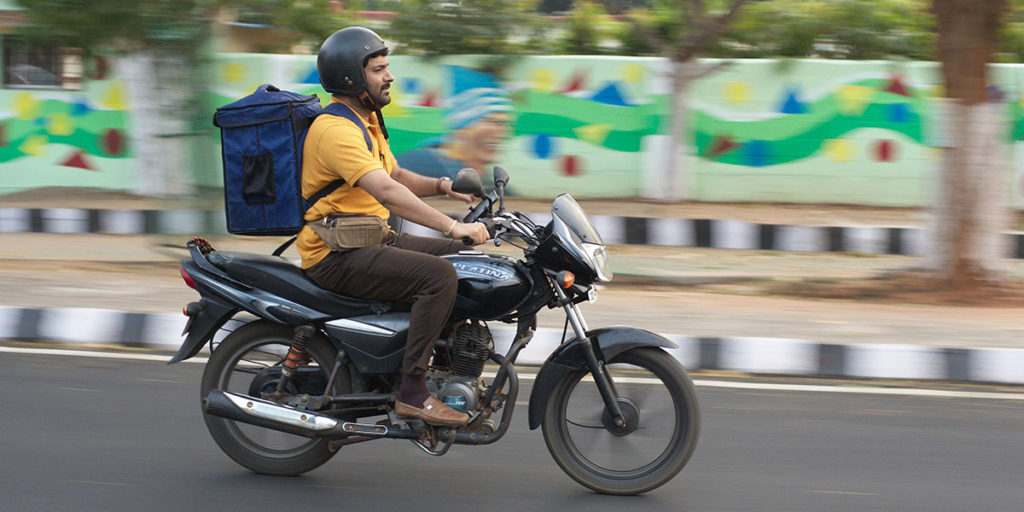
249,362
662,424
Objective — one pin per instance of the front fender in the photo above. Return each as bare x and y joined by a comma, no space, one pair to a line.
608,341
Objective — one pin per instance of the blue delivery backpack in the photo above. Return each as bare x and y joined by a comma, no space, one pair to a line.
261,137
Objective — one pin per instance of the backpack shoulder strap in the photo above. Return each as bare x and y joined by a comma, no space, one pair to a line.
339,110
343,110
280,249
322,193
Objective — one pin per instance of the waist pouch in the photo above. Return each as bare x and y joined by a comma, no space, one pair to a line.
347,231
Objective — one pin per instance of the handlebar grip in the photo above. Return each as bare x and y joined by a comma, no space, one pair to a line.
489,224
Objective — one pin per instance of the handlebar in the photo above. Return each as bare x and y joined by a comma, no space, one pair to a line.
484,206
481,208
504,221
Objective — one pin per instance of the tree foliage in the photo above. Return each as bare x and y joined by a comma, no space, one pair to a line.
168,26
673,28
483,27
555,6
831,29
683,29
586,27
297,22
1010,43
179,27
837,29
611,6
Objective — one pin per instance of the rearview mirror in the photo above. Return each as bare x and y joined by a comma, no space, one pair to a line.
500,177
467,181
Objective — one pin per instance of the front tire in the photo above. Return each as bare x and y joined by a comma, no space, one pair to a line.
641,456
246,362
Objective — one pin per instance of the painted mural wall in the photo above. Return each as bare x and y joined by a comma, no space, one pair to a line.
573,123
761,130
66,138
840,132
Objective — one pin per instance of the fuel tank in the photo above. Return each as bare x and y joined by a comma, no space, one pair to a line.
490,286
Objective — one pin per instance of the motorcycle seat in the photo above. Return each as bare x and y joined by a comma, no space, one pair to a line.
279,276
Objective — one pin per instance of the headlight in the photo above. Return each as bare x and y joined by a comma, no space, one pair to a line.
598,258
593,255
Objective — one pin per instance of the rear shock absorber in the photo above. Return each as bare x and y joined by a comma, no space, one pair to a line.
296,353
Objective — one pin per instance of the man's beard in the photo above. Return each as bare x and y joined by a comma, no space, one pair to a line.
381,99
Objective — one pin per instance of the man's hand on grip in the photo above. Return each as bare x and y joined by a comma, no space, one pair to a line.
474,231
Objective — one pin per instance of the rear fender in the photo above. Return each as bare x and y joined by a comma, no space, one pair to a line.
568,359
213,312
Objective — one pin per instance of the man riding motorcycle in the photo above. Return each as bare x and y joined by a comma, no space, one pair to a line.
353,67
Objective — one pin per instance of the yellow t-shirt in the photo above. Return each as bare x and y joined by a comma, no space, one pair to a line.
335,148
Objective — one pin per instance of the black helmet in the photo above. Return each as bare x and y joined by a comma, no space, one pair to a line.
342,58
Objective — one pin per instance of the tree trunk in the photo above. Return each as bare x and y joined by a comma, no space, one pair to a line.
971,208
675,188
971,212
159,98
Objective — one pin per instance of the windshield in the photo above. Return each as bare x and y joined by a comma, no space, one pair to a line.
569,212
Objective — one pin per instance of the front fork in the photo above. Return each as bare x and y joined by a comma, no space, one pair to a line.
604,382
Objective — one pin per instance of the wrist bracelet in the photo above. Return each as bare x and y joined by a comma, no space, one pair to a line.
438,183
449,232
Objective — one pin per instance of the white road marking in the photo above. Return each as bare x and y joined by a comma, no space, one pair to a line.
96,354
758,386
863,390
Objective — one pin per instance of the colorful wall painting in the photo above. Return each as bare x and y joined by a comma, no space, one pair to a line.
804,131
840,132
65,138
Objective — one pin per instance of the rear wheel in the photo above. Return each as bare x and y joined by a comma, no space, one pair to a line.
662,424
249,362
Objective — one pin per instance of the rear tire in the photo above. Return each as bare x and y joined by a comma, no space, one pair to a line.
576,415
235,366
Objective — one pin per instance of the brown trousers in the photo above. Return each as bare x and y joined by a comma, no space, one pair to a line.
404,268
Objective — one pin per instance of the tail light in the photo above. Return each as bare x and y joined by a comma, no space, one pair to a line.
186,277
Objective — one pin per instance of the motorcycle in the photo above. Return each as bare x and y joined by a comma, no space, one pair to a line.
311,371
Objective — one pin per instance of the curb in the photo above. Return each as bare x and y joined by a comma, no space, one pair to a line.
673,232
766,356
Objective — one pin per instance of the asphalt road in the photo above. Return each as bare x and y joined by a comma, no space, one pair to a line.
103,434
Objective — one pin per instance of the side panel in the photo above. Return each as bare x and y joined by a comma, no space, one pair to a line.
568,359
375,343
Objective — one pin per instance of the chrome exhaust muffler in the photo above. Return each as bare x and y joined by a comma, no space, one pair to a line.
263,413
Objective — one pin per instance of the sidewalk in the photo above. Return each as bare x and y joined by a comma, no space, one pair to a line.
124,290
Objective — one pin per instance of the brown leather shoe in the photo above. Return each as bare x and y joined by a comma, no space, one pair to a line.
433,412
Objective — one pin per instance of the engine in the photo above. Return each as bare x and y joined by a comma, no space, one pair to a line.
468,349
464,354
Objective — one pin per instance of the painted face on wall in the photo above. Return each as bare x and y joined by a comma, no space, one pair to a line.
482,140
378,80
